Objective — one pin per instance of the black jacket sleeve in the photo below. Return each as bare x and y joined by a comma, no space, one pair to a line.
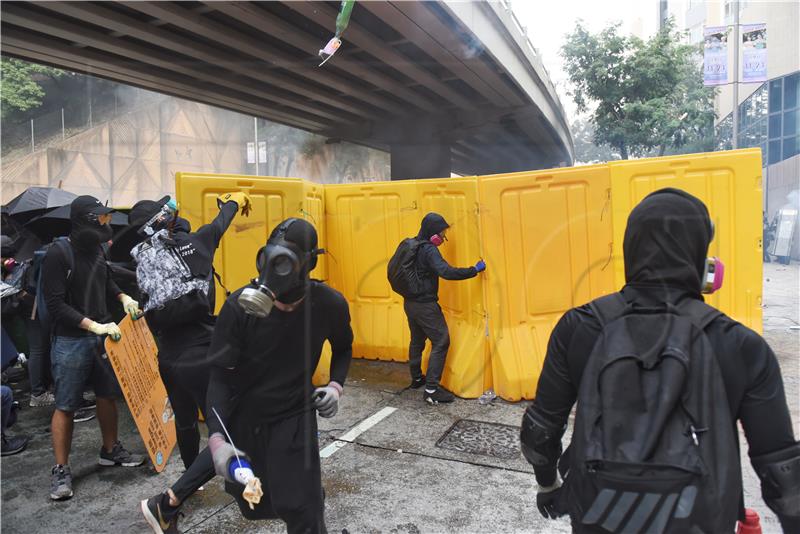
55,268
112,289
211,234
341,340
432,259
224,354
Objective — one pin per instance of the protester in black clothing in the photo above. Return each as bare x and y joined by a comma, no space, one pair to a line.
425,318
665,247
264,352
183,346
76,285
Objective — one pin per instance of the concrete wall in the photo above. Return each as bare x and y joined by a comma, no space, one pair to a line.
136,155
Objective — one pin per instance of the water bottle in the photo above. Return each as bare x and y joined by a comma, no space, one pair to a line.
241,471
488,396
167,211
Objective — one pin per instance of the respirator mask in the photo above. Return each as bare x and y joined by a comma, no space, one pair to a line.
283,269
714,271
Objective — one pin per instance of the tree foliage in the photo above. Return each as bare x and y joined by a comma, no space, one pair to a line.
646,97
586,150
21,85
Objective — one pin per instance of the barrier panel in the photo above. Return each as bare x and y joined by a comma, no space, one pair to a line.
547,238
729,183
552,240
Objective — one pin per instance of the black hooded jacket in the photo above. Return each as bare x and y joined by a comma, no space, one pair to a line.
430,263
86,291
197,250
664,260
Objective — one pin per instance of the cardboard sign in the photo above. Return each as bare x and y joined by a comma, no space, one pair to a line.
135,362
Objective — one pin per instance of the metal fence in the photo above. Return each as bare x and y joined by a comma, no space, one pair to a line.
47,129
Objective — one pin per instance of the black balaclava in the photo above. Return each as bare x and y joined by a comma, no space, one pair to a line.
87,233
666,241
304,235
432,223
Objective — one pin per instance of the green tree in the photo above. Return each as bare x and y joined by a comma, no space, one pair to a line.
21,87
646,96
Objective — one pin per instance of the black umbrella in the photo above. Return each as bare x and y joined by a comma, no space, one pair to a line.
56,223
35,200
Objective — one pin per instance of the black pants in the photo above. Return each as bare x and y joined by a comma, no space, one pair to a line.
186,376
285,456
426,321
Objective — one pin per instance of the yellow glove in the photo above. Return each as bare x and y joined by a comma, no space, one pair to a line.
108,329
130,306
242,199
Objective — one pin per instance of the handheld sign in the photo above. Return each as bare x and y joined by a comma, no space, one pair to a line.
135,362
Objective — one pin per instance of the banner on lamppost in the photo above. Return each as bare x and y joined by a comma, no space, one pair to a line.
715,55
754,53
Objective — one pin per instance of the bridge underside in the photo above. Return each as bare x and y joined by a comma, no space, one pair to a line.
411,78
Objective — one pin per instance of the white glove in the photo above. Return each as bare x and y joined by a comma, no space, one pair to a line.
326,400
130,306
107,329
222,453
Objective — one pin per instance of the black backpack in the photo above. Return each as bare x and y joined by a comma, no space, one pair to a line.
654,447
34,281
402,269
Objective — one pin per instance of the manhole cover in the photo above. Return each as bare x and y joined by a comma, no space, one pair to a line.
480,437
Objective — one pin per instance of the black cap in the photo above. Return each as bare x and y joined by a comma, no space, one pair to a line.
142,211
85,204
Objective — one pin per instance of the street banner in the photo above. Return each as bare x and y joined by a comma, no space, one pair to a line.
135,362
754,53
715,55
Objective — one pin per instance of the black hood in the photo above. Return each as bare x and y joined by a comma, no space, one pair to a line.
182,225
666,241
86,232
432,223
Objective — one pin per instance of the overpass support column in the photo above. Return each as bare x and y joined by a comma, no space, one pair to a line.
420,159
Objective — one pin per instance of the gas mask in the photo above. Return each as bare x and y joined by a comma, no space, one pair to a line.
283,269
714,271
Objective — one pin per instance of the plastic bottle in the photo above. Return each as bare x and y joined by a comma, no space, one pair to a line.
241,471
167,210
488,396
751,523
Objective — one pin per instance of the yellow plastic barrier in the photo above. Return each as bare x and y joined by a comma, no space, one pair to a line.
552,240
547,238
730,185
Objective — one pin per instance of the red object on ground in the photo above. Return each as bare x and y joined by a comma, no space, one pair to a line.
751,523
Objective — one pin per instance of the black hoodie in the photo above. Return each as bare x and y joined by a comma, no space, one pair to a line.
430,263
86,291
666,241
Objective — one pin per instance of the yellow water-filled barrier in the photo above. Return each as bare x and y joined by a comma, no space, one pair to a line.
552,240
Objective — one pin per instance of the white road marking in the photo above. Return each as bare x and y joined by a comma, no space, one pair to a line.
356,431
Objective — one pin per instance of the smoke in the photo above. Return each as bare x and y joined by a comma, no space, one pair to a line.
793,199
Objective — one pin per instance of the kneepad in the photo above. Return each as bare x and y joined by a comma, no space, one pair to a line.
780,480
540,441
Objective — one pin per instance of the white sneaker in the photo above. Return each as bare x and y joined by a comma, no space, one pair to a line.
45,399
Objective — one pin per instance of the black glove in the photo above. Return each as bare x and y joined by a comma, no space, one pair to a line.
547,501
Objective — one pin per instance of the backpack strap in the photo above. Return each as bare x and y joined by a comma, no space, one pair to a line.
699,312
219,281
608,308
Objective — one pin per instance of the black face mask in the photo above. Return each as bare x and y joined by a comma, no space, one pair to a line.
91,235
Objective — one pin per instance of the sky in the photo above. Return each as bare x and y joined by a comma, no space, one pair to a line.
548,22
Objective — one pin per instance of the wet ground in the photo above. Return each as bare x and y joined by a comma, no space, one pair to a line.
420,469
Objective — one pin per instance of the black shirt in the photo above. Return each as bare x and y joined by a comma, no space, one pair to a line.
83,295
267,363
197,249
749,369
431,266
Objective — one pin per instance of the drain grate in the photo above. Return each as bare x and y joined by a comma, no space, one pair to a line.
480,437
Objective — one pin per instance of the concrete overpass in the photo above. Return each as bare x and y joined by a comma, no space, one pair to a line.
443,86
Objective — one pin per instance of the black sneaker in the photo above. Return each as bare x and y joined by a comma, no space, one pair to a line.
161,517
88,401
119,455
14,445
417,383
83,414
60,483
440,396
